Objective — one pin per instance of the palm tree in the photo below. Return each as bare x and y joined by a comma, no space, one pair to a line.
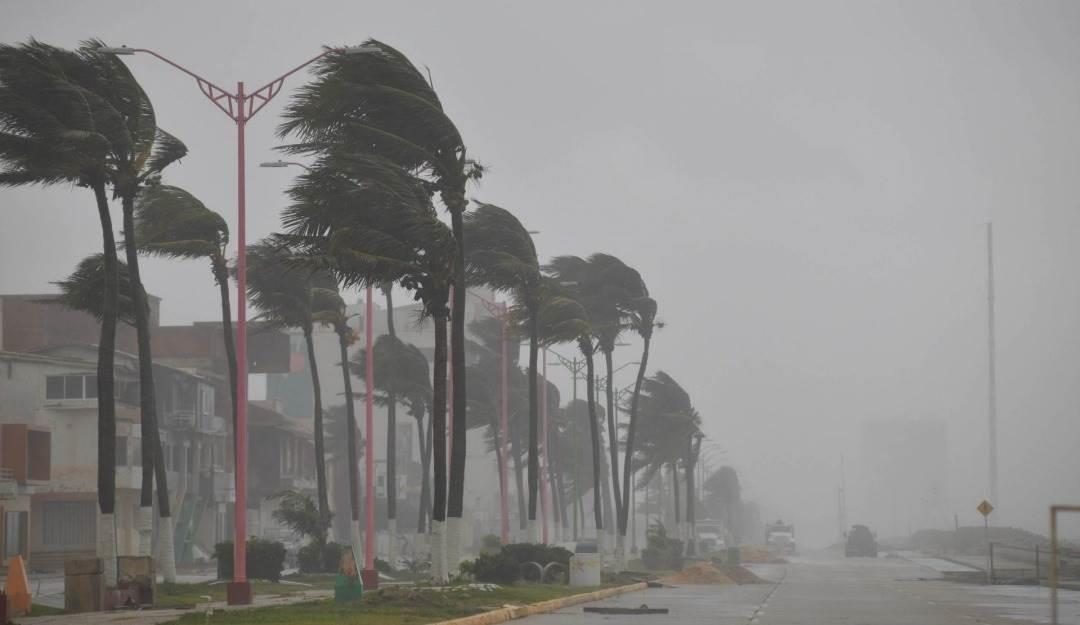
377,102
643,320
669,427
289,297
172,223
138,154
501,255
722,487
369,222
79,118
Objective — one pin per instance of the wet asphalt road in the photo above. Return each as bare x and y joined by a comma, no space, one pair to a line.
828,589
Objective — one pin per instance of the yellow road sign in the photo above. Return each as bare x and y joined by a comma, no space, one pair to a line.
985,508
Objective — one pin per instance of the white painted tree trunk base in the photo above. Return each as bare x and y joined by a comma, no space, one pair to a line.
391,545
534,531
146,531
620,553
601,546
107,547
167,550
453,545
438,552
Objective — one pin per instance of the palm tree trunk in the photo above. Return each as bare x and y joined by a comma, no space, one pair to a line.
691,464
350,441
438,451
534,425
594,433
631,429
613,440
391,447
221,275
675,495
320,435
153,464
421,520
455,505
106,470
519,476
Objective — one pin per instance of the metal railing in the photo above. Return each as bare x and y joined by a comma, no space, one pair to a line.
1014,564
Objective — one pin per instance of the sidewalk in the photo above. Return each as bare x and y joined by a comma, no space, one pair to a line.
153,617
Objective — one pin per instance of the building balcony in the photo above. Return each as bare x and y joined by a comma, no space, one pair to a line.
190,420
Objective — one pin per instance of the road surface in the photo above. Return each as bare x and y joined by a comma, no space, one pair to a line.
828,589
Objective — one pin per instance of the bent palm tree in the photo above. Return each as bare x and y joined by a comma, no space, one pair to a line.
292,298
172,223
55,127
378,103
369,223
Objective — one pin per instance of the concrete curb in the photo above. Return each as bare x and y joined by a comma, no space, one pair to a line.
515,612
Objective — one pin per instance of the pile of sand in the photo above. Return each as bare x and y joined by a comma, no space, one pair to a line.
757,554
701,573
742,575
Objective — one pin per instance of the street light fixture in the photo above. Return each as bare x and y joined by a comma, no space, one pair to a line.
281,163
240,106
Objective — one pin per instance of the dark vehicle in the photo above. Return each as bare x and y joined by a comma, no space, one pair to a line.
860,543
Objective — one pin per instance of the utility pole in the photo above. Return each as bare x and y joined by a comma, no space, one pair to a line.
992,424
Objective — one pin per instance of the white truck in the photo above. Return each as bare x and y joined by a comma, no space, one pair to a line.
780,538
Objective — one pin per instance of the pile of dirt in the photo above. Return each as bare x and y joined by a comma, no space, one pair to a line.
757,554
742,575
701,573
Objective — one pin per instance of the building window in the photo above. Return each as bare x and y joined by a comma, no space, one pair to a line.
15,532
71,387
68,523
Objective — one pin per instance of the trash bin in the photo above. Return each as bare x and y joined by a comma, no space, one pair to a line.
732,557
585,569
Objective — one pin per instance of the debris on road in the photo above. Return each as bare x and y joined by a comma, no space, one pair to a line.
699,573
643,609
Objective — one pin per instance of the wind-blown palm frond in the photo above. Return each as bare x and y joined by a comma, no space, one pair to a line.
82,290
171,222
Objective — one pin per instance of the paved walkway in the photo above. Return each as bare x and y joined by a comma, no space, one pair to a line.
153,617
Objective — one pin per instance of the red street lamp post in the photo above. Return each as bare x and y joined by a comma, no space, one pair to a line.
240,107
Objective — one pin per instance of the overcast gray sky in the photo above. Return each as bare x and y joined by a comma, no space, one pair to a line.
803,185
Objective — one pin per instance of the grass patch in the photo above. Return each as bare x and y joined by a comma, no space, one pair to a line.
390,606
188,595
45,610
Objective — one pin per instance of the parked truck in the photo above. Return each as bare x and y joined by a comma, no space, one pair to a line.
780,538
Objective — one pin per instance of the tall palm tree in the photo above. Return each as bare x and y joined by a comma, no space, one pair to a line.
378,102
368,222
501,255
643,321
63,120
139,154
290,297
172,223
669,426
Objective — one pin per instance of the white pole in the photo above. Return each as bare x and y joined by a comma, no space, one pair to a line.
992,399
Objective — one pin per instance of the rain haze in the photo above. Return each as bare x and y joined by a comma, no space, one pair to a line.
805,188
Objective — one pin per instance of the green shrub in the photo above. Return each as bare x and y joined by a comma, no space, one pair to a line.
493,568
265,559
314,558
383,566
505,566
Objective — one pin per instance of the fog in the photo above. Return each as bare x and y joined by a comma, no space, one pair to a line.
803,186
